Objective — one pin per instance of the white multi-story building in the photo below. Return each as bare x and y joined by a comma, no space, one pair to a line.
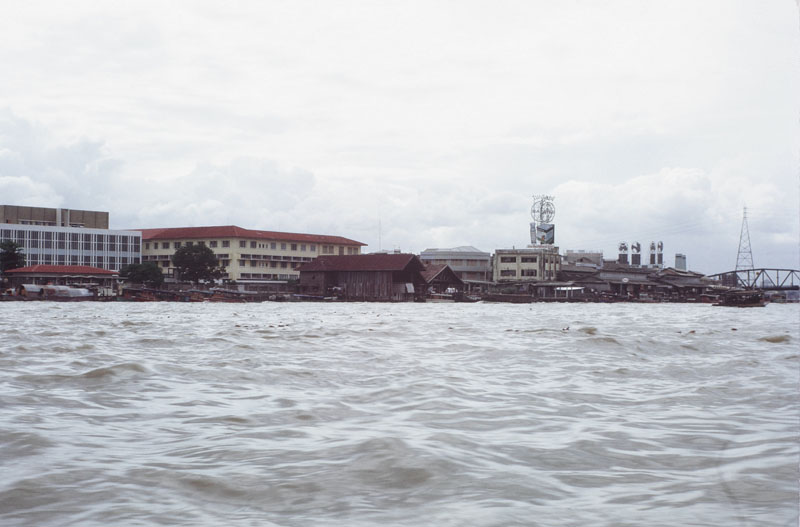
533,264
51,245
246,255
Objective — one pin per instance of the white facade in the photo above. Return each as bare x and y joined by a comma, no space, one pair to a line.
538,263
48,245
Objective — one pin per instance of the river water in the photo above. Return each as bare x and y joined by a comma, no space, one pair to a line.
398,414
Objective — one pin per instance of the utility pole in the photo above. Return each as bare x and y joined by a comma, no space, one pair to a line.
744,260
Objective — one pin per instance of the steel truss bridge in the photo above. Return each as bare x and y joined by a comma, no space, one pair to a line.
769,279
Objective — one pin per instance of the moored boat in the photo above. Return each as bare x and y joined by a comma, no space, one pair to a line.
742,298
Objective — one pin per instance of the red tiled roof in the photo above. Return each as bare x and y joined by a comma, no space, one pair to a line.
232,231
62,269
364,262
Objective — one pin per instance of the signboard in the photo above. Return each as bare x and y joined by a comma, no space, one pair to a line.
546,233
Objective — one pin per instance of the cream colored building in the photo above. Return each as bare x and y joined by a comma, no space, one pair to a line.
536,263
246,255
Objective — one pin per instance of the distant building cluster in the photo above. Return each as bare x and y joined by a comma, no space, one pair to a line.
63,238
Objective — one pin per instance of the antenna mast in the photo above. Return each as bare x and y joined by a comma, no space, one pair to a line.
744,260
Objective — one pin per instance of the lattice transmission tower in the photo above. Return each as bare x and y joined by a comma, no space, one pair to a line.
744,260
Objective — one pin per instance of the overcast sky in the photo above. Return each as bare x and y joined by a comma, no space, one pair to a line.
415,124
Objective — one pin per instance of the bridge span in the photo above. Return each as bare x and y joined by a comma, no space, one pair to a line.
764,278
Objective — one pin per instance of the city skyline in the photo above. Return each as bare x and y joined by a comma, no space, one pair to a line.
415,125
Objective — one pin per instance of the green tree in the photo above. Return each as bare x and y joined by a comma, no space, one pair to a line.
196,263
146,273
11,256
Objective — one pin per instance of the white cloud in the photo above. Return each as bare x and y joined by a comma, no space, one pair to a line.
437,121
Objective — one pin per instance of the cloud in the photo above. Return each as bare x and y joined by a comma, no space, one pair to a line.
692,211
34,170
653,120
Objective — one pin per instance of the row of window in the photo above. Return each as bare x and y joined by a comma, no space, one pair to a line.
274,257
111,262
513,272
71,241
331,249
523,259
265,276
243,244
451,262
49,223
274,265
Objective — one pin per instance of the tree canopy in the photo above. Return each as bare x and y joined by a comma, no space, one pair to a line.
196,263
11,256
146,273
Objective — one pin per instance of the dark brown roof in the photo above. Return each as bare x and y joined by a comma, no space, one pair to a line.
62,269
232,231
441,271
364,262
431,270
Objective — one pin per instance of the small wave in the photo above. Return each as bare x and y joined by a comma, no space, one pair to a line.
19,444
776,339
588,330
606,340
112,371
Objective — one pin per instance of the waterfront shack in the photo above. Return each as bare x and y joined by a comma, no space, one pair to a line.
684,285
364,277
440,278
75,275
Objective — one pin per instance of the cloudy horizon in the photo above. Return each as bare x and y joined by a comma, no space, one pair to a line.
418,124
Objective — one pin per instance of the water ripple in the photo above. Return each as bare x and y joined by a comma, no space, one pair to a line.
390,414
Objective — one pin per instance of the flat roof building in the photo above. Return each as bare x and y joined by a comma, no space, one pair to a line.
58,236
532,264
468,263
50,245
53,217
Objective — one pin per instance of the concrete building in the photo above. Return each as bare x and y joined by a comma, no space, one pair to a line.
468,263
680,262
50,217
52,245
246,255
532,264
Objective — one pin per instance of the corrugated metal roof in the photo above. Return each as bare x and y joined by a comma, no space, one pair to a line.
62,269
364,262
232,231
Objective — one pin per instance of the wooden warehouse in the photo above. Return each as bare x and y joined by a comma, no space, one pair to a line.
440,278
364,277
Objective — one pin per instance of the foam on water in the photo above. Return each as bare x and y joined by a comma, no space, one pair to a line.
398,414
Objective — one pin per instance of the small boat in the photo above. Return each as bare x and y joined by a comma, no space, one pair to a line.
742,298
